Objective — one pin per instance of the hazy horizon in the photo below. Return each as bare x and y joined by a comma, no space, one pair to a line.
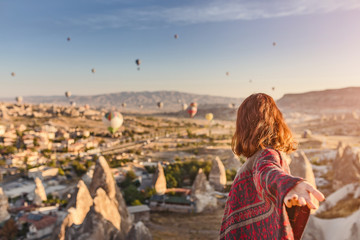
109,93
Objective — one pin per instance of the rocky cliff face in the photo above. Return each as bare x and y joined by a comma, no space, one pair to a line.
97,213
217,176
345,99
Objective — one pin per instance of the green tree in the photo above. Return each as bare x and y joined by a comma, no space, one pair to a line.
131,175
78,168
171,181
136,202
131,194
61,172
230,174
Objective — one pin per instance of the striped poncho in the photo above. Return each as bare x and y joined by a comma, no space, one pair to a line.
255,206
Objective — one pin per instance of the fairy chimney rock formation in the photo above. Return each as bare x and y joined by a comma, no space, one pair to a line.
217,176
97,213
346,167
300,166
107,208
4,204
39,193
78,207
159,180
79,203
199,185
202,193
102,178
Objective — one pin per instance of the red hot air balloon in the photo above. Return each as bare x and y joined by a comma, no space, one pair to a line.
192,110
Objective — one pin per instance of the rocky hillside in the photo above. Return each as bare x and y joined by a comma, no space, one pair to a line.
340,100
172,100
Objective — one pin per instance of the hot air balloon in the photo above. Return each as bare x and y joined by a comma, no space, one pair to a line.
176,36
68,39
273,88
93,70
193,104
250,80
184,106
13,74
18,99
227,73
123,105
274,44
209,116
138,62
160,104
113,120
68,94
192,110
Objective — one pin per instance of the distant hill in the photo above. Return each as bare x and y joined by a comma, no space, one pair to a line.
326,101
171,99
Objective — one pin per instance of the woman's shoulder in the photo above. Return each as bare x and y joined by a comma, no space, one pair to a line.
269,154
266,152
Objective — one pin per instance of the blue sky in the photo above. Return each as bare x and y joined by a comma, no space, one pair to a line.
317,46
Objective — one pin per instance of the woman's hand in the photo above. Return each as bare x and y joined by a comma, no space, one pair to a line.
300,196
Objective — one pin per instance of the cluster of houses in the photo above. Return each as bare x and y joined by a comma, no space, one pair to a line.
30,144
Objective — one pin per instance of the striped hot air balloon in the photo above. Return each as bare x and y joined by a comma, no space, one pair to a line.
113,121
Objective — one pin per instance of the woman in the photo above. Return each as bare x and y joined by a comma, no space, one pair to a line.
265,201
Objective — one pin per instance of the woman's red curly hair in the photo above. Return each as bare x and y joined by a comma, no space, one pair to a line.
259,125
